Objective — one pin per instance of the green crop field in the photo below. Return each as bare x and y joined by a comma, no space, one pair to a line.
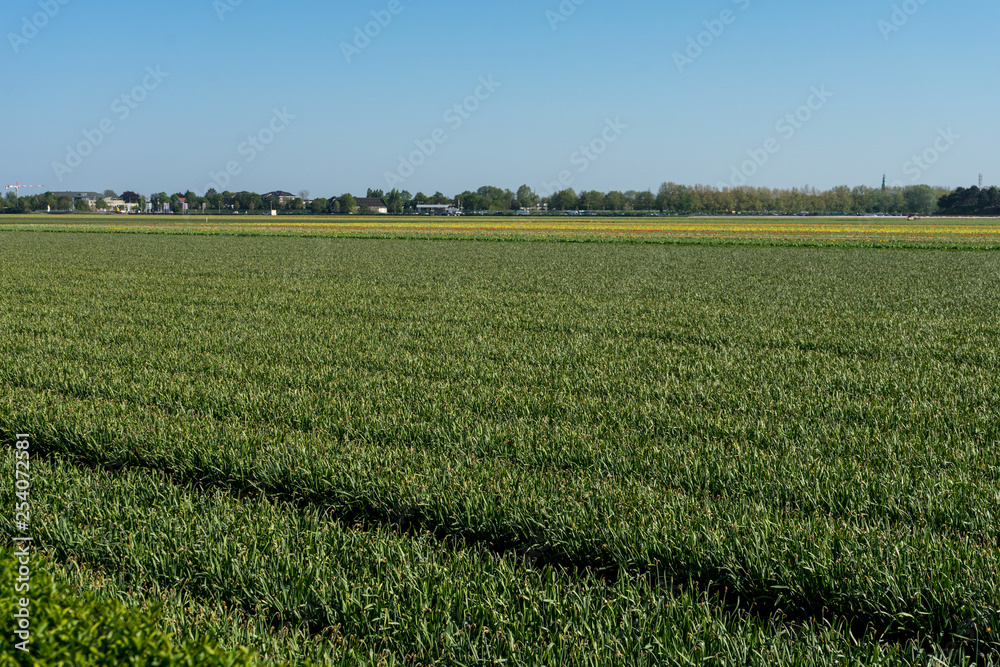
377,451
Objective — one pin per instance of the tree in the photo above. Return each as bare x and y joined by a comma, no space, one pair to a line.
110,194
213,199
469,201
920,199
640,201
130,197
667,197
701,199
10,203
248,201
175,203
893,200
347,204
81,205
46,201
591,200
394,201
490,198
319,205
992,195
193,200
742,199
564,200
526,197
688,200
865,199
101,204
614,201
303,195
841,201
971,201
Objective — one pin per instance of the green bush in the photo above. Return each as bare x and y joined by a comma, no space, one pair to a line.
77,629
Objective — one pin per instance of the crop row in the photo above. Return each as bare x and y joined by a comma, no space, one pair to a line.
298,585
904,579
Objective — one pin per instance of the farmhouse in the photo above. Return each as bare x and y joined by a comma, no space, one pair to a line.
372,204
282,196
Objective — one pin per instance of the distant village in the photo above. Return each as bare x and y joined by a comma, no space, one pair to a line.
239,202
671,199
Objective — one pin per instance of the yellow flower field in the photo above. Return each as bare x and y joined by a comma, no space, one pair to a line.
983,233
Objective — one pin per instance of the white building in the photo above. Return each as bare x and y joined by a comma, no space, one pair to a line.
438,209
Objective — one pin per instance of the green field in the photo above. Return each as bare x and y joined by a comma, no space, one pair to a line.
364,451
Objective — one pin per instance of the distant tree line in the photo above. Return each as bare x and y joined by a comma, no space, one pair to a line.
671,198
971,201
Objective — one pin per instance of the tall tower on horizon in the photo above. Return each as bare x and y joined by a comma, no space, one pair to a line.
883,182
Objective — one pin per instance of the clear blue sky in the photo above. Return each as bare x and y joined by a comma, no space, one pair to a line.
894,94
